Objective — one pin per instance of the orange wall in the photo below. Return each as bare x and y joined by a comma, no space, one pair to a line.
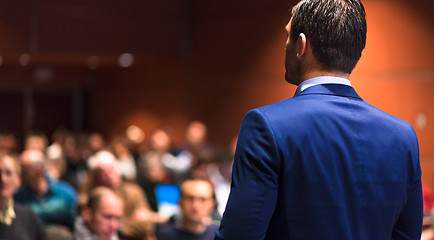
396,72
237,64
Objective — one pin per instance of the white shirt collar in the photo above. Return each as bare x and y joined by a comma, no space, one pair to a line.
323,80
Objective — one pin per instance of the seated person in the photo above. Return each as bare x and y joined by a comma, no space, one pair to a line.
17,222
100,217
197,201
55,202
138,219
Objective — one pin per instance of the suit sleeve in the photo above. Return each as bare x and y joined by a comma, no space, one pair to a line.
409,223
254,185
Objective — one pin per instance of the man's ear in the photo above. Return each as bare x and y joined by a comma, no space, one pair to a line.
301,45
86,213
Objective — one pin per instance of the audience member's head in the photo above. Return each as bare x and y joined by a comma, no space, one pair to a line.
104,172
196,132
9,178
96,142
197,201
36,140
8,143
153,169
103,212
160,141
32,163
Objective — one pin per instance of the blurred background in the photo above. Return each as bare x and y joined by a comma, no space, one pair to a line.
106,65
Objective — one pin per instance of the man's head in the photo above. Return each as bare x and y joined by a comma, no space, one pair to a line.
32,163
102,212
104,172
9,178
160,141
197,200
334,29
36,140
196,132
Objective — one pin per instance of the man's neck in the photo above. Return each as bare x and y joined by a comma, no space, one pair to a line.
322,73
193,227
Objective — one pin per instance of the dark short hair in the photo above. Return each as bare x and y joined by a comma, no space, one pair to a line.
336,30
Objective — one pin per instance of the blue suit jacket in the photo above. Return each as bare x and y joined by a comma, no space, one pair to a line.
324,165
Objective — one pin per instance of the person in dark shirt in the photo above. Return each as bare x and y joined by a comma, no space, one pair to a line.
16,222
196,203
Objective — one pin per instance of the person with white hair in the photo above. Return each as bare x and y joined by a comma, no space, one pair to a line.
138,219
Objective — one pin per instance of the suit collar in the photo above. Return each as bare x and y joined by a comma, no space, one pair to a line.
329,89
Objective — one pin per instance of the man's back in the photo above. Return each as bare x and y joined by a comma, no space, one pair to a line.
327,165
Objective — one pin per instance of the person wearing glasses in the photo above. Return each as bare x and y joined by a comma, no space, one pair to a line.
196,203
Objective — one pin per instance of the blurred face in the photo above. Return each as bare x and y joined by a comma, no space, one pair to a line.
196,201
32,168
160,141
107,175
104,222
36,142
96,142
154,170
196,133
292,64
9,179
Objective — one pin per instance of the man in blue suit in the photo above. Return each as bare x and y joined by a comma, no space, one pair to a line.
324,164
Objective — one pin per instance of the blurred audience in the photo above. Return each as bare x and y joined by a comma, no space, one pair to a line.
94,142
76,167
428,213
126,163
195,151
196,203
152,171
36,140
220,174
133,176
17,222
99,219
53,201
8,143
138,219
56,165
